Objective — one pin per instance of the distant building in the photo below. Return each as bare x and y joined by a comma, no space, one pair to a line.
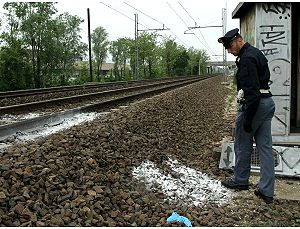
105,68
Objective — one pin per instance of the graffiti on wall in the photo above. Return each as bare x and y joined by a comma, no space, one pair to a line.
280,8
273,36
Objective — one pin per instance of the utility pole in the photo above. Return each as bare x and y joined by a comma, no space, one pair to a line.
90,46
224,21
136,60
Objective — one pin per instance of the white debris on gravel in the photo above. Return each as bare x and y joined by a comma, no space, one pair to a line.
185,184
31,115
50,128
10,118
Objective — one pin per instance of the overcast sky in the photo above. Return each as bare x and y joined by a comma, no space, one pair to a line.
117,17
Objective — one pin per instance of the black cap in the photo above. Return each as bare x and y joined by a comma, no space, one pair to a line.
228,37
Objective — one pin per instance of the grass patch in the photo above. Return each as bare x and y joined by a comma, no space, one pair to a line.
232,93
296,220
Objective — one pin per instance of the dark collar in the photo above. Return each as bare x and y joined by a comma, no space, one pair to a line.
246,45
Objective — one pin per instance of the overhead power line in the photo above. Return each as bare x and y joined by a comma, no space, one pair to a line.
217,20
177,15
117,11
163,28
188,13
144,13
179,39
160,23
187,25
123,14
189,28
181,20
184,23
142,24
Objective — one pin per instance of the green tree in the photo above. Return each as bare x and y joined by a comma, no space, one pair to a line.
51,44
33,24
181,62
115,50
69,47
175,57
193,62
15,71
125,44
203,59
198,59
169,55
14,68
148,53
100,48
120,51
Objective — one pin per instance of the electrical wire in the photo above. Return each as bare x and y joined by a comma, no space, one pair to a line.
177,15
160,23
217,20
188,14
179,39
186,24
123,14
144,13
207,46
152,19
117,11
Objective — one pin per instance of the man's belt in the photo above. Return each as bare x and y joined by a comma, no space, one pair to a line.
264,91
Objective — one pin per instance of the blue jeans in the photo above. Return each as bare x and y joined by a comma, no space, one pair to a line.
243,147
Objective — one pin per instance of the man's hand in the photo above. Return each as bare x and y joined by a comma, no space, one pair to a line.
247,126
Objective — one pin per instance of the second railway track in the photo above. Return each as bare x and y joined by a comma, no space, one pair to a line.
117,98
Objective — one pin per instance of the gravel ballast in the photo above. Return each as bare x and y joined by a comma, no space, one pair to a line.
90,175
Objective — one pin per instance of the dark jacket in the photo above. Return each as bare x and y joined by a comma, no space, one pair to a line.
253,74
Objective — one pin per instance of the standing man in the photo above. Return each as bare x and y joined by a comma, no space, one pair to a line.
253,120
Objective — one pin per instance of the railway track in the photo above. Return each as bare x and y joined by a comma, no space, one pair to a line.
76,89
68,102
22,93
9,132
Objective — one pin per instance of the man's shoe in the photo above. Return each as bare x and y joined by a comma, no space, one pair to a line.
267,199
230,183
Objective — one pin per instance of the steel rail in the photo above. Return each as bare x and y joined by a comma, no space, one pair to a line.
29,124
75,98
37,91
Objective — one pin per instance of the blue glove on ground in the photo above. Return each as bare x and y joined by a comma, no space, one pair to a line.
176,217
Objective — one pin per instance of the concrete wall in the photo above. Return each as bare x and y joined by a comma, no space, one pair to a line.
248,26
273,38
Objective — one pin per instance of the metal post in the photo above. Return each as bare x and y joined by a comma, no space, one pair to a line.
90,46
136,61
224,21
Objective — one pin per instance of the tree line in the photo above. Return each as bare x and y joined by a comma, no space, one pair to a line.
40,48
